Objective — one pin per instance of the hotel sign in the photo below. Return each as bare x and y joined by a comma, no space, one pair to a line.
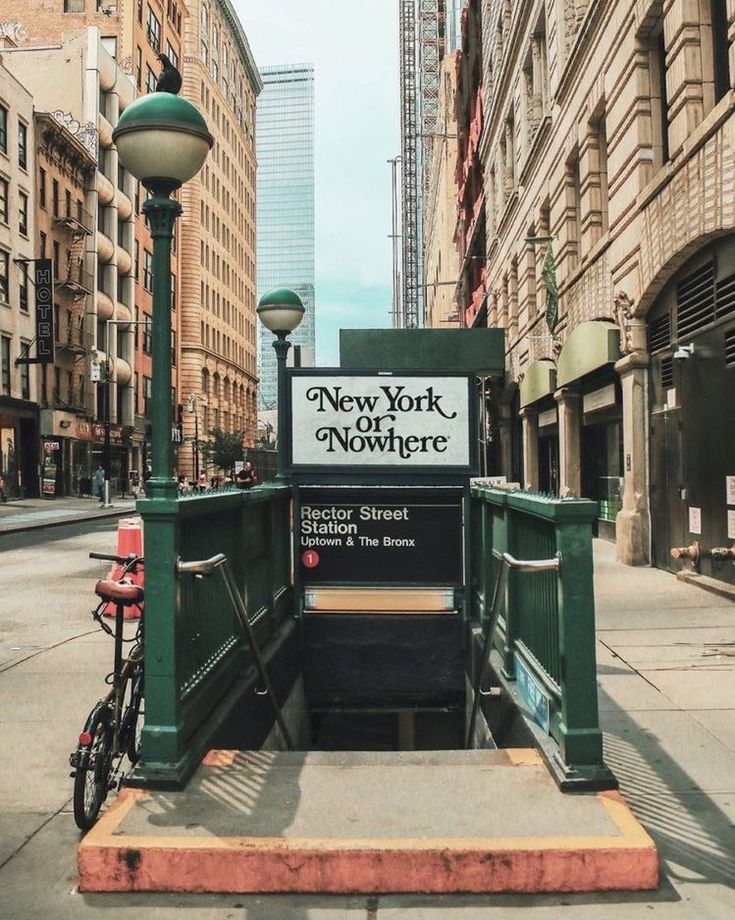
44,284
380,421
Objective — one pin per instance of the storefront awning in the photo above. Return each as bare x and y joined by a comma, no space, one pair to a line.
588,347
539,381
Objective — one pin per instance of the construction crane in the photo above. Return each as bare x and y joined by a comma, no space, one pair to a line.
421,37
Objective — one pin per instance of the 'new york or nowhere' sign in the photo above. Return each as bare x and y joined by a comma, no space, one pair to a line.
380,420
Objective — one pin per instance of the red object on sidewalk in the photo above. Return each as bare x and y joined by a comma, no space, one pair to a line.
129,540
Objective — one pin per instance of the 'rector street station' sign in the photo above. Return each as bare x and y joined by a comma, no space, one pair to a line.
380,421
380,536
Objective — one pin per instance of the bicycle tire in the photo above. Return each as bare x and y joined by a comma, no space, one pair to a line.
133,720
94,765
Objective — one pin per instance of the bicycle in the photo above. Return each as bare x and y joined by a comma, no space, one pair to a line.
113,727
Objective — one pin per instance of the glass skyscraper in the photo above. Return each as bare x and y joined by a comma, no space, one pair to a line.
285,208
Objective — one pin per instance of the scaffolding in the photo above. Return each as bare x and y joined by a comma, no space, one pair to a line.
421,43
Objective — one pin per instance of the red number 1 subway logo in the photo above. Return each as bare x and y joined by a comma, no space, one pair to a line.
310,558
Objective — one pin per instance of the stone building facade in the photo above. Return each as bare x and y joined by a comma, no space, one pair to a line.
218,281
440,222
18,383
609,132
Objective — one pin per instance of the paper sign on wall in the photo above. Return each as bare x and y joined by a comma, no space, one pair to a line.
695,520
730,489
731,524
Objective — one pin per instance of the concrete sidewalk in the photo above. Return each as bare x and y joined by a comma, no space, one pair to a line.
666,665
31,513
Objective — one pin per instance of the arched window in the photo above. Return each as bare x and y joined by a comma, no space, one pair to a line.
205,382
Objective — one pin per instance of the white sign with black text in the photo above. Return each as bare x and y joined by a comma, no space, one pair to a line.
380,420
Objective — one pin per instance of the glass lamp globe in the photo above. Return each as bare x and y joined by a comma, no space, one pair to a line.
280,311
162,139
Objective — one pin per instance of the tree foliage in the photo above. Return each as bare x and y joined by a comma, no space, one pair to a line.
223,449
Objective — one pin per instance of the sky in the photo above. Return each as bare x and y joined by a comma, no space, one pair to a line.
353,45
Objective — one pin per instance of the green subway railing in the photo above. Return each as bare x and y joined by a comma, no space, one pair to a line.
546,624
194,644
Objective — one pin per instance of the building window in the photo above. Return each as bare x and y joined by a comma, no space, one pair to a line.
147,270
136,263
173,291
74,6
173,348
42,188
150,80
659,96
23,286
22,145
574,185
147,340
720,48
601,132
146,395
56,261
172,55
4,276
23,213
25,373
3,200
3,129
55,198
5,363
42,245
153,31
138,67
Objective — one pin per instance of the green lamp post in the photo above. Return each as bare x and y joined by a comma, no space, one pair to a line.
163,141
281,311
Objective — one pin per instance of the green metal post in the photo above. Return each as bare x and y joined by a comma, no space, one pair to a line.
580,739
161,212
281,345
161,741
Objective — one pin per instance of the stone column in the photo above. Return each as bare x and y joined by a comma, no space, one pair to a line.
530,448
505,437
633,523
570,442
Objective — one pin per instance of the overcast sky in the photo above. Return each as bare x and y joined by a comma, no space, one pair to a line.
353,45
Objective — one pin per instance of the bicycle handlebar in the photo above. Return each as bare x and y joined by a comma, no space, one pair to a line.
111,557
201,566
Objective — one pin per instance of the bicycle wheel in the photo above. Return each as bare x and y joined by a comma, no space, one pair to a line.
92,774
134,719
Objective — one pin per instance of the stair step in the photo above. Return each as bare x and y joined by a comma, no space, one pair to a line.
368,822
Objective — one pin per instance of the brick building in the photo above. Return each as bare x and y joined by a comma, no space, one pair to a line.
133,34
218,283
84,89
610,128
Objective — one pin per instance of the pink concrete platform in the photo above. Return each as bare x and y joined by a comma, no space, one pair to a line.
368,822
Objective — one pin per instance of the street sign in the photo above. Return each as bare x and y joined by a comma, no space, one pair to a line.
380,536
388,423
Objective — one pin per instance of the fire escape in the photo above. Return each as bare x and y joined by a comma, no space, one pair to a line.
73,285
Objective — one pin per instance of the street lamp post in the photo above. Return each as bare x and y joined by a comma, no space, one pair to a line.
163,141
195,443
281,311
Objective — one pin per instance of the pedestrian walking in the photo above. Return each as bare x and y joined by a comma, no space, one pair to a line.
98,483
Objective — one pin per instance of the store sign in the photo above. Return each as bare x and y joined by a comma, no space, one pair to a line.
380,536
44,285
98,432
375,420
599,399
549,417
49,468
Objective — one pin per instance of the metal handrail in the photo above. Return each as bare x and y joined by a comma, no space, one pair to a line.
204,568
507,562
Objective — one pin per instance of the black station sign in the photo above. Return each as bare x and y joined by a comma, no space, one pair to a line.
380,536
365,420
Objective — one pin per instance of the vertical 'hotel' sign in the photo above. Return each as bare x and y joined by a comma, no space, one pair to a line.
43,278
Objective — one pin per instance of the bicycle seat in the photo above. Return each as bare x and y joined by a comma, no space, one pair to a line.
119,592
